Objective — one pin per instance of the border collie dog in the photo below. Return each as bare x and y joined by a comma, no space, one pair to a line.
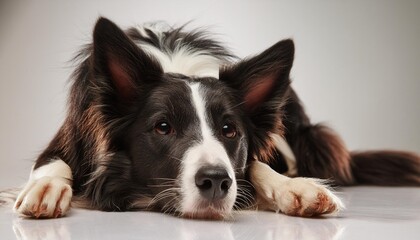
163,119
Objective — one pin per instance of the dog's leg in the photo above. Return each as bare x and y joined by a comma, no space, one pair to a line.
282,145
48,192
293,196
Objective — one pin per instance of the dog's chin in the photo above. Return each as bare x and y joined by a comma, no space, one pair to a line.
208,211
206,214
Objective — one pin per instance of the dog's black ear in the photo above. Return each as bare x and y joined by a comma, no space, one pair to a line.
118,58
263,84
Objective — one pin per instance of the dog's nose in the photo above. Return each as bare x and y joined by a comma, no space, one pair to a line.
213,182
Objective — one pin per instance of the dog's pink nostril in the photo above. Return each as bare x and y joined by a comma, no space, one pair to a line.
213,182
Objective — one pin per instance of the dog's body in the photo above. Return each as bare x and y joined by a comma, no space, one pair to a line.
161,119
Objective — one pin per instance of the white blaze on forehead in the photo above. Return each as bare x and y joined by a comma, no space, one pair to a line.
184,61
211,146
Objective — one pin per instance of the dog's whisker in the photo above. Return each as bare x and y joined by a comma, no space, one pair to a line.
243,200
160,185
246,204
169,207
245,190
161,181
237,105
168,204
170,192
166,183
244,183
175,158
160,178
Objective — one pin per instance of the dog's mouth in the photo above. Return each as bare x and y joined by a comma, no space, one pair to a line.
192,206
208,211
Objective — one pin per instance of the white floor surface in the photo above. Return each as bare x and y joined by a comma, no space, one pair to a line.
372,213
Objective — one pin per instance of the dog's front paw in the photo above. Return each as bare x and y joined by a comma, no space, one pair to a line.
46,197
305,197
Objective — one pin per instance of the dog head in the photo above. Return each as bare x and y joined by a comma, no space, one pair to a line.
189,138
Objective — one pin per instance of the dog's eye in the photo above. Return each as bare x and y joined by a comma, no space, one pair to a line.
163,128
229,130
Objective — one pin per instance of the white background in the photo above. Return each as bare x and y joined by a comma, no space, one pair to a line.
357,64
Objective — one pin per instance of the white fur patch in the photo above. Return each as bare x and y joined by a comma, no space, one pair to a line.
56,168
287,153
48,192
293,196
158,27
209,151
185,61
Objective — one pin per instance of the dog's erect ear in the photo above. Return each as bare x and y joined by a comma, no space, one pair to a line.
263,82
118,58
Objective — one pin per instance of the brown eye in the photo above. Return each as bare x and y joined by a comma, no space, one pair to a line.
229,130
163,128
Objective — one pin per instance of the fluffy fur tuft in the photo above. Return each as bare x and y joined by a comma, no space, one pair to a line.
386,168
